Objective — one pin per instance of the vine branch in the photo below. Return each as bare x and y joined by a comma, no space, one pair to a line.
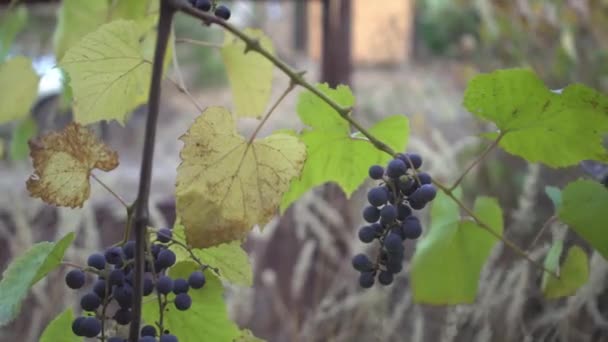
141,209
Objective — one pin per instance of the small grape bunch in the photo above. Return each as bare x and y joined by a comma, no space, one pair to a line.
390,217
114,284
220,11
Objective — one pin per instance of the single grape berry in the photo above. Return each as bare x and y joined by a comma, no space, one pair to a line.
366,279
396,168
416,205
123,316
164,235
376,172
388,214
77,326
411,228
113,255
183,301
223,12
148,285
96,260
196,280
129,249
377,196
156,249
166,258
424,194
90,327
164,285
394,265
393,242
147,339
385,278
123,295
90,302
415,158
424,178
75,279
371,214
168,338
203,5
403,211
180,285
116,277
367,234
362,263
377,227
116,339
148,330
100,288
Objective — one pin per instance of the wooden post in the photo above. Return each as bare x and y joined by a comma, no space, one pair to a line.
336,64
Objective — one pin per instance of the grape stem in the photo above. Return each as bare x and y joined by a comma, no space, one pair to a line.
112,192
478,160
141,207
187,248
270,111
487,228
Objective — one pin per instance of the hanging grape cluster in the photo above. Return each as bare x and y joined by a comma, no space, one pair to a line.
402,189
220,11
111,297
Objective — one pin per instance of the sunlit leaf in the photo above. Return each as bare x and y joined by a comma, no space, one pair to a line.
109,74
540,125
63,163
18,88
24,271
449,258
60,329
225,185
250,73
573,274
206,320
584,210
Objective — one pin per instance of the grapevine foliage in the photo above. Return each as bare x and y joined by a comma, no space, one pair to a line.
228,183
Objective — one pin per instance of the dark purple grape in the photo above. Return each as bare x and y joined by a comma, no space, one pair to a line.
164,285
147,339
148,330
424,178
90,302
385,278
203,5
116,277
367,234
377,196
90,327
100,288
415,159
113,255
376,172
377,227
424,194
168,338
394,265
123,316
77,326
396,168
388,214
403,211
156,248
123,295
183,301
371,214
129,249
97,261
166,258
75,279
116,339
180,285
411,228
223,12
362,263
366,279
148,285
197,280
416,205
164,235
393,242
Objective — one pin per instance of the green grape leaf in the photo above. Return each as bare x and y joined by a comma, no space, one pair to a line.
250,74
109,74
206,320
453,252
229,258
539,125
336,155
60,329
584,210
555,194
11,23
24,271
26,130
77,18
573,274
226,185
18,88
130,9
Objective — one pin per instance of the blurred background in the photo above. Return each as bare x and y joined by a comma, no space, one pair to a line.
400,57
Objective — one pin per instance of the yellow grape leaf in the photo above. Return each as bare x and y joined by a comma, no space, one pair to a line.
108,72
18,88
63,163
250,74
224,185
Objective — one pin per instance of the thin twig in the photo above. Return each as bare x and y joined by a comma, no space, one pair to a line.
198,42
181,84
141,208
112,192
487,228
185,91
478,159
545,226
270,111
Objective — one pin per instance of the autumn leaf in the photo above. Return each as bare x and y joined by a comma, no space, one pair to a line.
63,163
225,185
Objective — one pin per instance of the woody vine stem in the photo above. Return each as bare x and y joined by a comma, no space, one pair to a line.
140,209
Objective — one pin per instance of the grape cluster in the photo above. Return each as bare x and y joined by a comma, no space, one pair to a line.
220,11
390,217
114,284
